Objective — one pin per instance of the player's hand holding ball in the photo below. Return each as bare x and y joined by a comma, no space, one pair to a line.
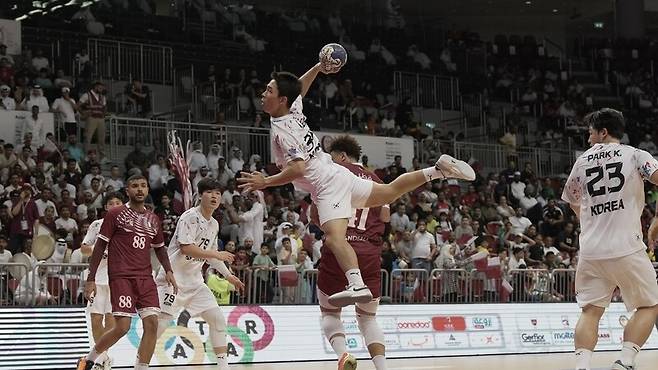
332,58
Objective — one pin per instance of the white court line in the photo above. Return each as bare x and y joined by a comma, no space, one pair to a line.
422,367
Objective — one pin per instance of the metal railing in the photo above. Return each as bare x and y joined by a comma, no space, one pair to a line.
120,59
429,91
495,158
60,284
125,131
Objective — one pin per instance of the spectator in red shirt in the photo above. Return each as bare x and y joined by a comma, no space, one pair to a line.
470,198
24,213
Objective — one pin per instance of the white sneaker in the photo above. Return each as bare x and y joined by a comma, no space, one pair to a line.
454,168
108,364
347,362
351,295
619,366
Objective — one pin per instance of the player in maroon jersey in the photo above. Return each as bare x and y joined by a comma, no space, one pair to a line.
364,233
129,232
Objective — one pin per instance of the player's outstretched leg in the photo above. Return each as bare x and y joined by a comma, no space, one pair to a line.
587,335
445,168
356,290
372,332
217,333
120,328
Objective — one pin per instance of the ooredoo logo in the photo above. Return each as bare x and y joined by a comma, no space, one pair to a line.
413,325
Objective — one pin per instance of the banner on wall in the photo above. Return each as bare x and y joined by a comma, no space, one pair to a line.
381,150
13,124
293,333
10,35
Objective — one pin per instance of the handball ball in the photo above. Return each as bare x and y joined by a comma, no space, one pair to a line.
332,58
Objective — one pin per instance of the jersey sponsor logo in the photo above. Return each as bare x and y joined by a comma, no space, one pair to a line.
607,207
604,155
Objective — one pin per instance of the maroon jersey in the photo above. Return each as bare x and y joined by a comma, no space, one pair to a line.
365,228
131,235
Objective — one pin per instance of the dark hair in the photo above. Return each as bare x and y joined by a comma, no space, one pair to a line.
286,239
113,195
208,184
135,178
288,85
71,160
609,119
347,144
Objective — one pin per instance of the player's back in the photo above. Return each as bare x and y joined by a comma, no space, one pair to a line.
192,228
608,182
365,228
131,234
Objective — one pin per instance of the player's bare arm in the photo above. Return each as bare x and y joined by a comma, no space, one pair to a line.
385,214
195,252
94,261
257,181
163,257
308,78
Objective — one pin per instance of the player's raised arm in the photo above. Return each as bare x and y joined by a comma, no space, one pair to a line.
308,78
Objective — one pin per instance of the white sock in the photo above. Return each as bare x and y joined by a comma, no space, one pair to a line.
93,355
628,352
583,359
102,357
431,173
354,277
380,362
222,362
338,344
141,366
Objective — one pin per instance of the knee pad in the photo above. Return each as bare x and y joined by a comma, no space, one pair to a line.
332,325
372,332
217,327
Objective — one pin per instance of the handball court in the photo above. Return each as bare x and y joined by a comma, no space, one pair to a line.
556,361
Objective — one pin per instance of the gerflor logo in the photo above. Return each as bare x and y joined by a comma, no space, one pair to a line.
534,338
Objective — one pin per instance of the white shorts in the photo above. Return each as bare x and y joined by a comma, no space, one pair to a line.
100,302
195,301
634,274
345,193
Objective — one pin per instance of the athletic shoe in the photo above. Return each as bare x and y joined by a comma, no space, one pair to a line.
453,168
84,364
107,365
351,295
619,366
346,362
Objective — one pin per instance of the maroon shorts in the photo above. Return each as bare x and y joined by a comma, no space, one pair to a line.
130,296
331,278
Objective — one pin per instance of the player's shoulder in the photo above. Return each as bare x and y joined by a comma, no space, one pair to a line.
96,224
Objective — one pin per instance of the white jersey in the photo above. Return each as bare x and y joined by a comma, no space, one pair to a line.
292,139
90,239
607,183
192,228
